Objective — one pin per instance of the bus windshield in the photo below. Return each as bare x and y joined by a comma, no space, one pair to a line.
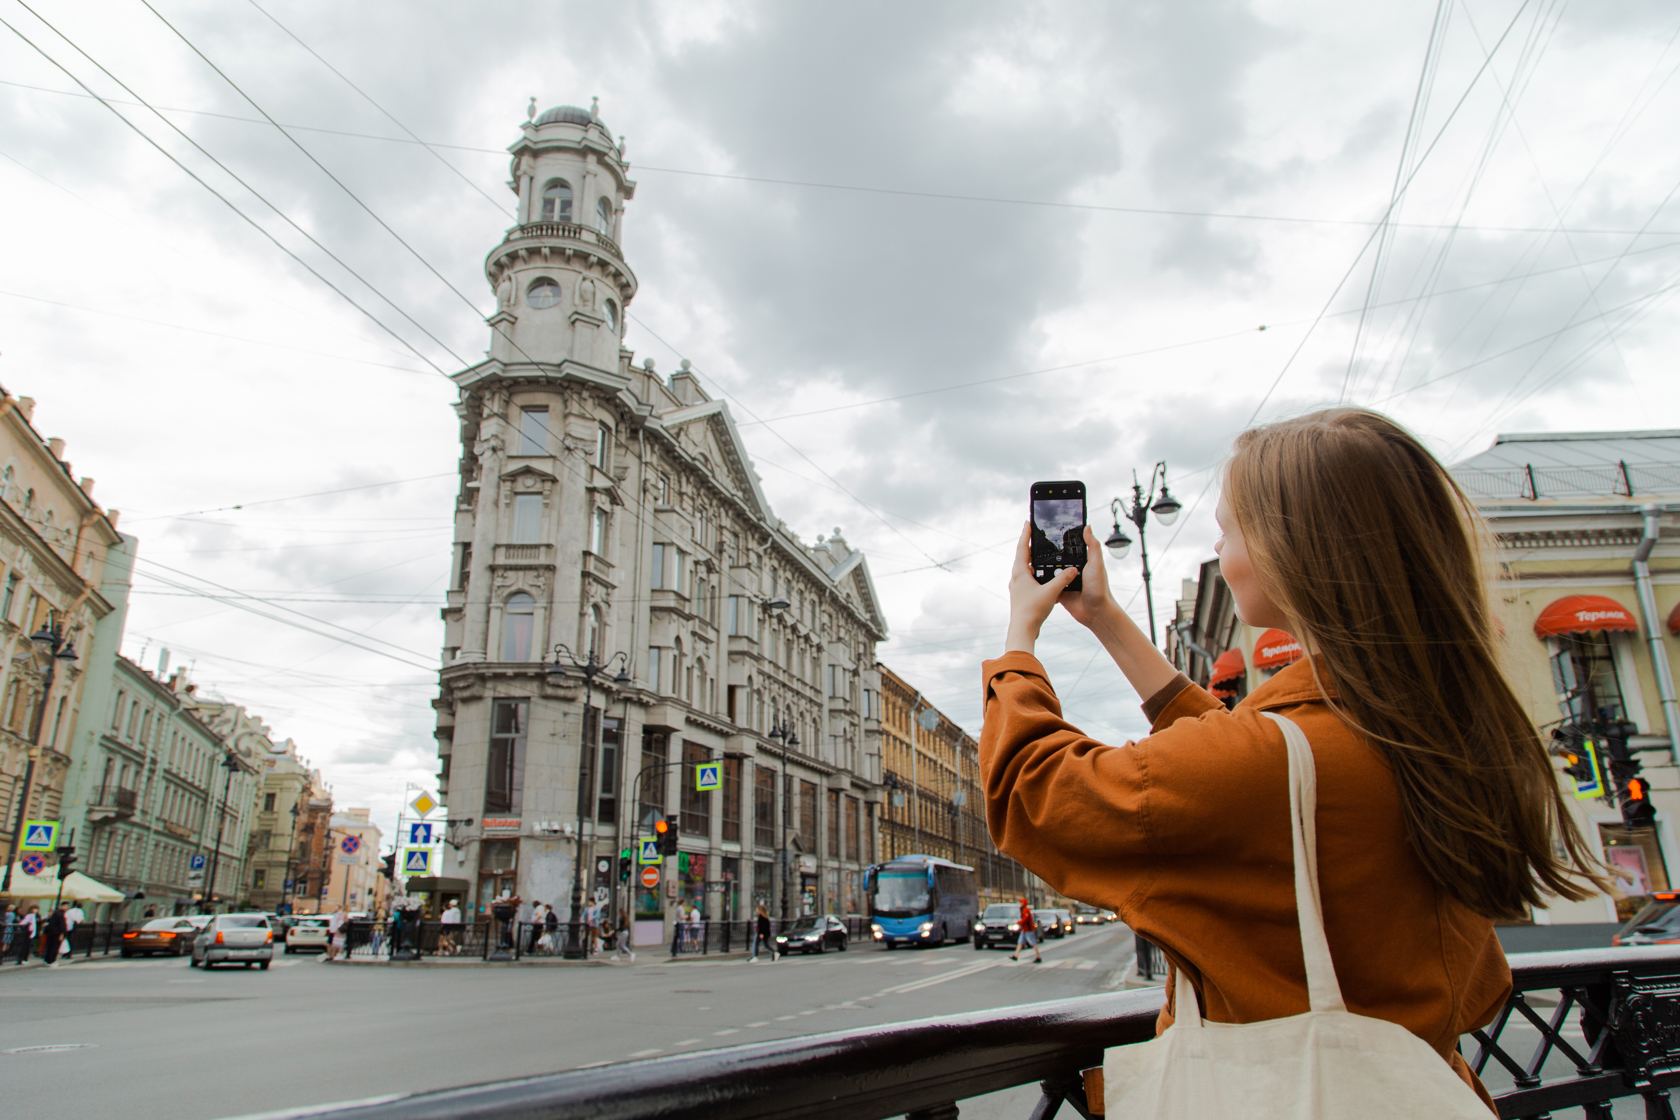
902,894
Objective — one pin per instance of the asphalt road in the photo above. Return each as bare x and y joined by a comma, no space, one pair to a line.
158,1040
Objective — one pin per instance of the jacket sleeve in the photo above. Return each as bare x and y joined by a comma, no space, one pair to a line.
1096,822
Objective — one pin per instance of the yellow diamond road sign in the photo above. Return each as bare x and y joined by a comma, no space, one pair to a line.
423,804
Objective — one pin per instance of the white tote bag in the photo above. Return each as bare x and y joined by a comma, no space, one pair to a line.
1328,1064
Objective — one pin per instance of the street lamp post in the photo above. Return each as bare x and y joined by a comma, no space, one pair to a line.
557,673
783,733
1166,508
50,642
230,763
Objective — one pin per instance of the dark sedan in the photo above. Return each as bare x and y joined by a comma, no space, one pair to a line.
813,935
173,936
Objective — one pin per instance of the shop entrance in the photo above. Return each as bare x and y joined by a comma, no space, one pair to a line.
1637,867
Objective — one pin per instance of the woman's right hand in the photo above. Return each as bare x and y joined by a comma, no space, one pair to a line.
1093,602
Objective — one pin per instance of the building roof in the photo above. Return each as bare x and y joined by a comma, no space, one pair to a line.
568,114
1575,466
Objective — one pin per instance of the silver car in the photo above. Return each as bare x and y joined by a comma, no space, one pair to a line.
237,939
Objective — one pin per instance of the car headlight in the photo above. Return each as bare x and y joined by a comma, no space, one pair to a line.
979,927
1014,927
925,927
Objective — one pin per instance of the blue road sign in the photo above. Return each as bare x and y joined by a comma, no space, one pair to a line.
706,776
197,862
418,861
649,851
419,834
349,845
39,836
34,863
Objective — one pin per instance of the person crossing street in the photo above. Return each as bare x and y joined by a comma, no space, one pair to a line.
1029,935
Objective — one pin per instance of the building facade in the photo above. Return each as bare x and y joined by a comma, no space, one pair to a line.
934,802
271,853
615,513
356,879
1589,600
54,543
314,854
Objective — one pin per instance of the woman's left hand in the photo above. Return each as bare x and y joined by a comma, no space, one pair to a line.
1031,602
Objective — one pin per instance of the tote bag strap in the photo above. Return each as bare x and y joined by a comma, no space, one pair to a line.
1323,992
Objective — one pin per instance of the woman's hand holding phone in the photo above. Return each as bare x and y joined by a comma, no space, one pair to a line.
1031,602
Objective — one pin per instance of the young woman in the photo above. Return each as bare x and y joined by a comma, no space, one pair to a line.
1437,804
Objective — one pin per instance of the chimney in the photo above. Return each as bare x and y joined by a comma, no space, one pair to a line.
26,409
111,515
87,485
56,446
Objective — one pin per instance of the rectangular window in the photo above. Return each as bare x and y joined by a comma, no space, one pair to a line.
603,446
533,431
656,570
735,548
463,565
732,799
656,753
527,518
662,490
654,665
117,712
268,802
833,824
606,805
696,804
808,815
852,828
598,536
834,680
764,806
1584,676
737,615
504,779
11,593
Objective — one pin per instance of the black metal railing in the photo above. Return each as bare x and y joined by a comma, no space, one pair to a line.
1582,1029
86,940
487,939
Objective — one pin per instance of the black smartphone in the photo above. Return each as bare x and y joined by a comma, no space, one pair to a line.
1058,530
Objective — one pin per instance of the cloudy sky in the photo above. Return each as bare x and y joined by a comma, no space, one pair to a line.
929,253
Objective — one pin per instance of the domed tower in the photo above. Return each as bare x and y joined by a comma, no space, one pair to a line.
559,276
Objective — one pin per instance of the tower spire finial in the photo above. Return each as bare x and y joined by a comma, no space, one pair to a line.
531,110
595,107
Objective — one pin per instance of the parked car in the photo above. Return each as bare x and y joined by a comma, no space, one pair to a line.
174,936
234,939
307,935
813,935
998,925
1657,923
1049,923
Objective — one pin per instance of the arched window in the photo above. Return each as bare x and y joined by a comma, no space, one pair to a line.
612,316
603,215
557,201
518,617
597,632
543,292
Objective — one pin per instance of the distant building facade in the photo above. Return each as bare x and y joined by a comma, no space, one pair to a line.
314,858
54,544
607,509
356,880
271,854
934,802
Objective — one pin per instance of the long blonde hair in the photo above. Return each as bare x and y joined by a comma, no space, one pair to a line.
1368,545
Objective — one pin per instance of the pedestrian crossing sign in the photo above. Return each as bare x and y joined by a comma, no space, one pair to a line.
419,834
418,861
649,851
39,836
706,777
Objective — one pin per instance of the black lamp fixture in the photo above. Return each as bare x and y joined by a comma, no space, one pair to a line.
1166,509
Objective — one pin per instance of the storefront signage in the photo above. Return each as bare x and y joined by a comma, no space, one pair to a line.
501,824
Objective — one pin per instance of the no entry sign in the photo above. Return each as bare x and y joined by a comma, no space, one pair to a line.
650,877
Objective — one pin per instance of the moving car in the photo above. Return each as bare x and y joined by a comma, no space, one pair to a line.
1049,924
813,935
307,935
1087,915
235,939
1658,923
999,925
160,935
1066,919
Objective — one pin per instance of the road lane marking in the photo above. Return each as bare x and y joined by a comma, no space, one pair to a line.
593,1065
1083,965
727,1030
760,1023
647,1053
809,1011
687,1042
784,1018
929,981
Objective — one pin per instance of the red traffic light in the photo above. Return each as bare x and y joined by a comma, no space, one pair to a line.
1635,789
661,827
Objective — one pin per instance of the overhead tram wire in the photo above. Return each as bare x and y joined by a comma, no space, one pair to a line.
367,97
296,497
218,194
1422,159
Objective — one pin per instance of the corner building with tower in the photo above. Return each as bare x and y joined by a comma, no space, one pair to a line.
625,607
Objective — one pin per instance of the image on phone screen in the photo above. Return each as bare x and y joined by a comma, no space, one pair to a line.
1058,529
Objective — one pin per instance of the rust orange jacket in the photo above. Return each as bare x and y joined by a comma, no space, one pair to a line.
1186,835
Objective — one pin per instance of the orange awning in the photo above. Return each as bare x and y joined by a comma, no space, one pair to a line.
1276,649
1583,614
1228,666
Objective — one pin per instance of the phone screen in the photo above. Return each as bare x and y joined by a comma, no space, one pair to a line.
1058,529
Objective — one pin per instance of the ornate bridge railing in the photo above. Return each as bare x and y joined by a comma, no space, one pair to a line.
1581,1030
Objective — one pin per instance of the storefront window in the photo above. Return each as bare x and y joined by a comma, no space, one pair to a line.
1637,867
1584,676
691,878
731,889
764,885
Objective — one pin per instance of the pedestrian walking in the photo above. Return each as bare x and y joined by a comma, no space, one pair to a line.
27,927
1027,938
1433,803
592,924
621,940
54,939
679,927
449,936
761,935
336,934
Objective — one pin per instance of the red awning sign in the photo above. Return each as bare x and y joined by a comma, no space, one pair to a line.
1228,666
1674,619
1276,649
1583,614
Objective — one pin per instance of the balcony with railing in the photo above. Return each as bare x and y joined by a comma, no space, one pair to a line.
114,803
563,231
524,556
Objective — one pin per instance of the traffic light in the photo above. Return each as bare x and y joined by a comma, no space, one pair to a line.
66,861
1633,792
388,867
625,863
1581,761
666,832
